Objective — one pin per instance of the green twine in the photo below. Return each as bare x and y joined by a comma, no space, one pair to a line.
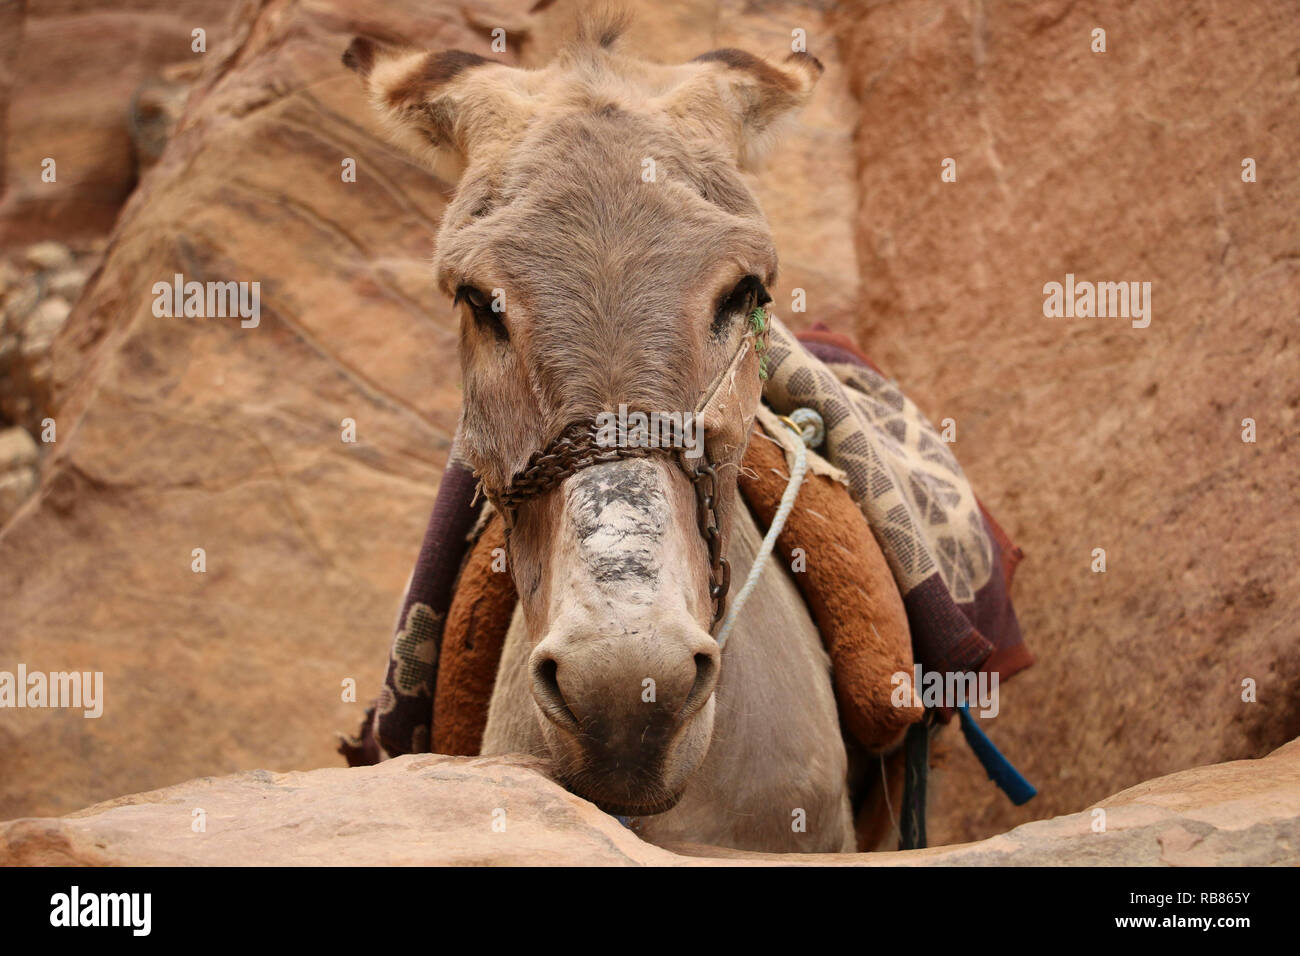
758,322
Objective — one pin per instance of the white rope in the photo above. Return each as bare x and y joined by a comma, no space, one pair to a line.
769,540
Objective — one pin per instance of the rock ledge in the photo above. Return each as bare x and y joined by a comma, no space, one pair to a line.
436,810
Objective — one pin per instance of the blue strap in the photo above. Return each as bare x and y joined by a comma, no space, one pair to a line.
998,767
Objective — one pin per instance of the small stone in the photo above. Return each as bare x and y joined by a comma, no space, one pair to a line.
40,372
19,302
43,325
48,256
9,278
67,284
17,449
15,488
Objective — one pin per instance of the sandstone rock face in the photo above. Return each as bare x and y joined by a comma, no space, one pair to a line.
203,535
1086,433
68,73
198,443
434,810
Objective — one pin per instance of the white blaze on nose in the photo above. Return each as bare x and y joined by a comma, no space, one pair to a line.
619,513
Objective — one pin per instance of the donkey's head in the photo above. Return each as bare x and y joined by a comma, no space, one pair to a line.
605,250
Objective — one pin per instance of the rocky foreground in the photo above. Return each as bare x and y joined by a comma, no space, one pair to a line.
435,810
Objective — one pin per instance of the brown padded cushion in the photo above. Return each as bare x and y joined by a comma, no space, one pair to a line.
848,587
477,622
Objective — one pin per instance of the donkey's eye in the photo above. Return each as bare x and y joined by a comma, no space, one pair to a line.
487,315
747,295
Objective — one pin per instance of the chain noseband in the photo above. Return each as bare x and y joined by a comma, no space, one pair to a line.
577,447
580,446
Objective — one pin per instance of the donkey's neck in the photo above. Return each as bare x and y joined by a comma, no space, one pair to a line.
775,777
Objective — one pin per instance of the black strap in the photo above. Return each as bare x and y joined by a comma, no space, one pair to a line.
916,746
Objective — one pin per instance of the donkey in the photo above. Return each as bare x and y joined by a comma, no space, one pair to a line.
604,249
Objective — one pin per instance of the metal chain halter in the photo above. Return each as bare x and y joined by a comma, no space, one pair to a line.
579,446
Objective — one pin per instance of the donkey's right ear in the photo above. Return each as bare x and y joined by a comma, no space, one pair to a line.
428,102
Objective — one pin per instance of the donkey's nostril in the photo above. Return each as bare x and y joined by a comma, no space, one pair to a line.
546,690
706,677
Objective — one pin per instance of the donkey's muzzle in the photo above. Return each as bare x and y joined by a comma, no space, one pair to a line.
623,712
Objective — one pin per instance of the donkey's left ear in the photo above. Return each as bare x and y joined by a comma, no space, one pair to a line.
748,98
